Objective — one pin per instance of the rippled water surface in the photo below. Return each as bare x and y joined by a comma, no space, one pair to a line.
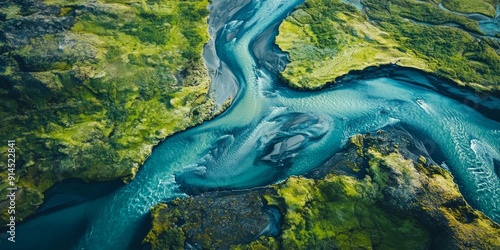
271,132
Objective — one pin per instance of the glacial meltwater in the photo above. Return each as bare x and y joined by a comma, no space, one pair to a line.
269,133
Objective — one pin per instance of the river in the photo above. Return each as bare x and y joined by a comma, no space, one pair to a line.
269,133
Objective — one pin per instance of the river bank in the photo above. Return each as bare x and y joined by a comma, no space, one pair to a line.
378,191
322,48
486,103
88,89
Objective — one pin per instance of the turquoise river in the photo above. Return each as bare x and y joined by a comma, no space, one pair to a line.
269,133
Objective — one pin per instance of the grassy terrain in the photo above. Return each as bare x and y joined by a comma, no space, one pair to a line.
90,100
327,39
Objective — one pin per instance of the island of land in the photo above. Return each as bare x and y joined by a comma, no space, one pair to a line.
328,39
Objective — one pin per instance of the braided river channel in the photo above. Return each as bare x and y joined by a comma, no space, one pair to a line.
270,132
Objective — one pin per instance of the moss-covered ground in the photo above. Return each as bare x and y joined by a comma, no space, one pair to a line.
88,88
342,213
486,8
398,204
402,200
208,221
327,39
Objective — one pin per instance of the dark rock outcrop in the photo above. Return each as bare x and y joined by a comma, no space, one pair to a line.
214,220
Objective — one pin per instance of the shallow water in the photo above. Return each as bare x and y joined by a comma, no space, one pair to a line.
271,132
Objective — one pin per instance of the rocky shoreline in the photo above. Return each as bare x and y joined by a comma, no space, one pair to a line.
380,191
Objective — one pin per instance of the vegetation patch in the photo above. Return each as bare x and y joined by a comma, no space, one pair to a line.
88,89
400,201
327,39
485,7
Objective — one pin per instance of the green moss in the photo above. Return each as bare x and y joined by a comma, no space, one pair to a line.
213,221
342,212
468,6
425,12
398,204
27,200
10,12
415,34
164,234
262,243
335,42
95,98
357,141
